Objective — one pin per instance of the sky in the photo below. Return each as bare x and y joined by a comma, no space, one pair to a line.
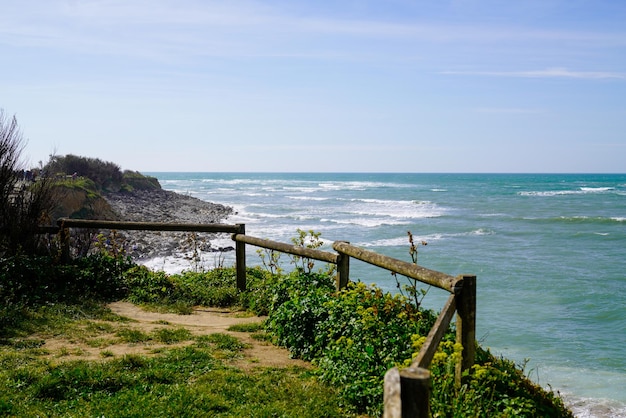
319,85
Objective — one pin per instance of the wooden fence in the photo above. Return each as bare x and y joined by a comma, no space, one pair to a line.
407,391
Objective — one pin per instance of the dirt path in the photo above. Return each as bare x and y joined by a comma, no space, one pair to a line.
201,322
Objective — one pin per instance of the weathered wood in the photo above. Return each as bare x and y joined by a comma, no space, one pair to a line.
146,226
427,352
240,259
431,277
392,399
48,229
343,271
466,324
64,239
287,248
415,392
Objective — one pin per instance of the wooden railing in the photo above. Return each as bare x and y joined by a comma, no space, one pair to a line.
407,391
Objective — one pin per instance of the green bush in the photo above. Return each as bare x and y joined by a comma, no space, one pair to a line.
356,335
211,288
39,279
147,286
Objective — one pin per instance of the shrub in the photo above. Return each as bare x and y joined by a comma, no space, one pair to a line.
24,204
146,286
356,335
106,175
211,288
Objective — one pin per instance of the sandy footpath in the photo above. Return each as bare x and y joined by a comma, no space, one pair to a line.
202,321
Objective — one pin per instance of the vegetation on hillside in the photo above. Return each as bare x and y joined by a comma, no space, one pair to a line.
106,176
353,337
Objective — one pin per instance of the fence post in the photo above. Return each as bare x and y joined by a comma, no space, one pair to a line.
343,270
64,237
466,324
240,259
407,393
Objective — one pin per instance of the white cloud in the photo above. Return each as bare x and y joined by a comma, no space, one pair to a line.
556,72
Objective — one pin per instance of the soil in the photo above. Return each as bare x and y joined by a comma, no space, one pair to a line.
202,321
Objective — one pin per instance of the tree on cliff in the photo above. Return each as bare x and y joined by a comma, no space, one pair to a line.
24,204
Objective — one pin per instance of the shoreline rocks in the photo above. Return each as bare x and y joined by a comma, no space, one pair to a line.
166,206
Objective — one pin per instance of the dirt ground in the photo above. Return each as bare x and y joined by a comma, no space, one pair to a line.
202,321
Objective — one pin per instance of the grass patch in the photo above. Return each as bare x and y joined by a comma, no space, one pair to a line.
247,327
196,380
224,342
171,336
188,381
133,336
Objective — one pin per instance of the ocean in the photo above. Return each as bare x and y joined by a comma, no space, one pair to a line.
548,251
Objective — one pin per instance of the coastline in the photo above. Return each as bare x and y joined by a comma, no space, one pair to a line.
582,405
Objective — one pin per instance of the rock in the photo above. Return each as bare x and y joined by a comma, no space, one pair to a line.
165,206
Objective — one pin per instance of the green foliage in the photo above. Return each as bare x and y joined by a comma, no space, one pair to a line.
412,290
80,183
171,336
211,288
147,286
24,203
190,381
356,335
296,308
39,279
247,327
270,260
306,239
223,341
260,285
73,171
134,180
107,176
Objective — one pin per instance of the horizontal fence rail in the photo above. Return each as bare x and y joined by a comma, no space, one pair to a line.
424,275
287,248
342,262
148,226
407,391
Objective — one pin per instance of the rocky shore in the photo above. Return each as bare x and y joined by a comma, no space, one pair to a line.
165,206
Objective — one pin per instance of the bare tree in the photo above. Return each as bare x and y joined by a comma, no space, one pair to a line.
24,204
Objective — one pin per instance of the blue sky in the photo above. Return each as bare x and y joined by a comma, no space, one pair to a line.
363,86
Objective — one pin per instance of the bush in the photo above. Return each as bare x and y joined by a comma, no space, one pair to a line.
24,204
212,288
298,306
106,175
356,335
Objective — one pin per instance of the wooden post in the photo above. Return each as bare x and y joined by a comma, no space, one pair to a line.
407,393
64,237
415,392
343,270
240,259
466,324
391,394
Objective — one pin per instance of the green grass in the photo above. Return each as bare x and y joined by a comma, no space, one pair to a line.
191,381
246,327
353,338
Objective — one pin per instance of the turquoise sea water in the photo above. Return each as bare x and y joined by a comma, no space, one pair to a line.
548,251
